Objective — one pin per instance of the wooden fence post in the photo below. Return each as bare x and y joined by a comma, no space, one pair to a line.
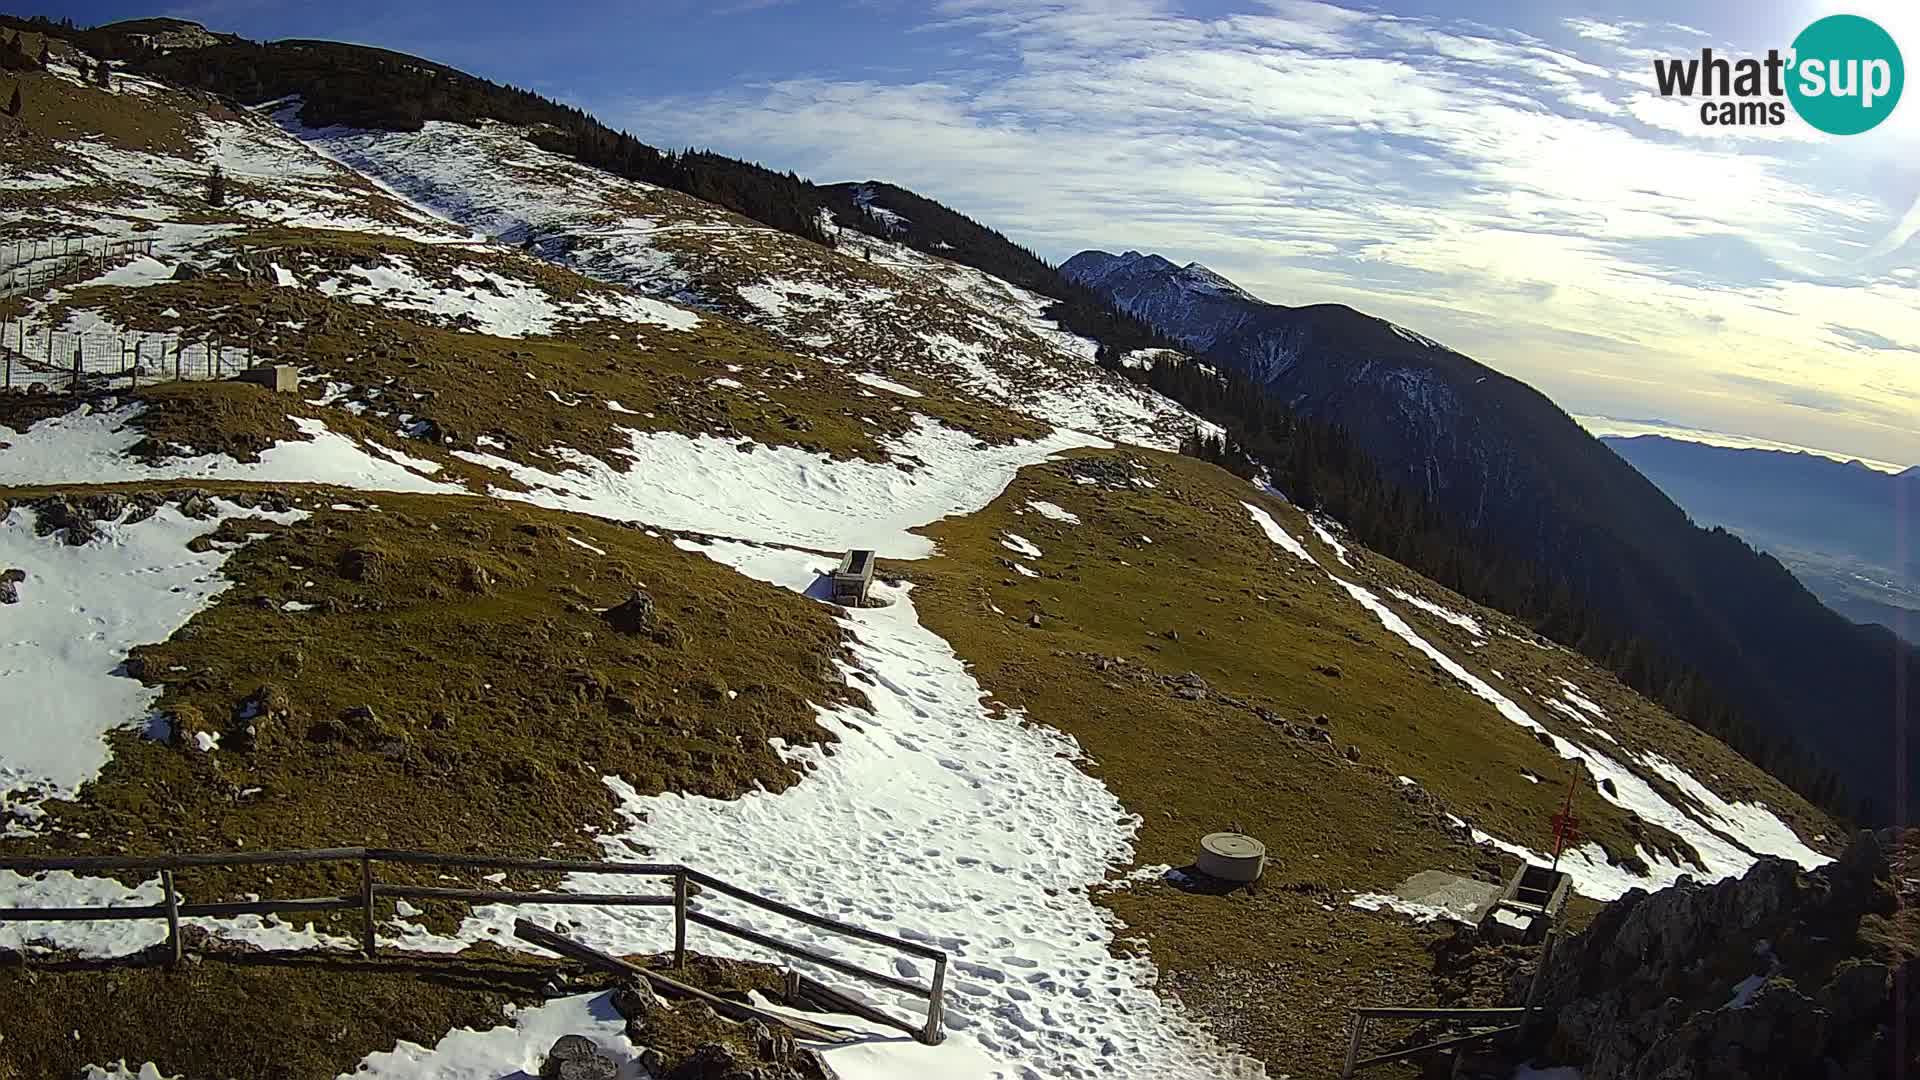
936,1005
366,902
1353,1046
680,918
175,946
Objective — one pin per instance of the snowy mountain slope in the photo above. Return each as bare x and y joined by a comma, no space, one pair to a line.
1510,466
880,307
408,664
1221,662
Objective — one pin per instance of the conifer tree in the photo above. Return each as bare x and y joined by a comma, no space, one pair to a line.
46,54
13,103
217,187
103,75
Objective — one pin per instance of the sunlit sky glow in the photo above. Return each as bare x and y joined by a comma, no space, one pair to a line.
1498,175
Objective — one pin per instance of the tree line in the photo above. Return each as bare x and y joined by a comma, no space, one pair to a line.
1320,468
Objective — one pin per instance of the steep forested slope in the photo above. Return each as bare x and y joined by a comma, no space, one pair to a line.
1504,460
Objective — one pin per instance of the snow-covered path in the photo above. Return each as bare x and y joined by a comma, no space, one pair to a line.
936,821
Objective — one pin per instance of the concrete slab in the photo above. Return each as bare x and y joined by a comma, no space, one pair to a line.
1464,897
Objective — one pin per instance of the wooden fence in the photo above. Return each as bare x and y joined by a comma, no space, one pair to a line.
1484,1024
683,884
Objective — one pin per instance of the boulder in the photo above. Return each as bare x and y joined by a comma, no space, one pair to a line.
576,1057
363,564
197,506
10,585
634,615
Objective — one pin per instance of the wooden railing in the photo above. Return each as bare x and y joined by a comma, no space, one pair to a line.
686,883
1485,1024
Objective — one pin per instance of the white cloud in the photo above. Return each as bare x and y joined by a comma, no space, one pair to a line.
1613,34
1492,189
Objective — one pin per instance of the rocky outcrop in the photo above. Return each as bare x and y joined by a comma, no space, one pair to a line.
1780,973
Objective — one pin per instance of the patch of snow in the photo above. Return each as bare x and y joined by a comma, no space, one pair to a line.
1279,535
1744,992
123,1071
577,542
1020,544
1326,537
785,495
80,610
142,271
1053,511
516,1048
90,447
888,385
1550,1072
1446,615
1420,913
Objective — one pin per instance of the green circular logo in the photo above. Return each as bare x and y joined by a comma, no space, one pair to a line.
1846,75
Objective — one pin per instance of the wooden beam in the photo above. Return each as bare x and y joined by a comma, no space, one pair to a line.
826,997
1432,1047
1394,1012
565,946
500,896
821,921
790,949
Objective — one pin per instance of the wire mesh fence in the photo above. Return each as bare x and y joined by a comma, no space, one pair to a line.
30,264
73,362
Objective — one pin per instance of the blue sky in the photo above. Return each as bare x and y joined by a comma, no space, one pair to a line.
1498,175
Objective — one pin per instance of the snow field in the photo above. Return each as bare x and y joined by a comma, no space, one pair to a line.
90,445
784,495
80,609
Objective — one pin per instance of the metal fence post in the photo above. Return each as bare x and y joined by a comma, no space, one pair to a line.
366,902
175,946
680,918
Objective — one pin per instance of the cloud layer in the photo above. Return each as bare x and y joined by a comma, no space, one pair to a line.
1527,199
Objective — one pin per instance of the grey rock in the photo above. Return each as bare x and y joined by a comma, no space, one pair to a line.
1644,993
576,1057
634,615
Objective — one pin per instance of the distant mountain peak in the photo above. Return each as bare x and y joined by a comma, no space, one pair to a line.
1092,266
